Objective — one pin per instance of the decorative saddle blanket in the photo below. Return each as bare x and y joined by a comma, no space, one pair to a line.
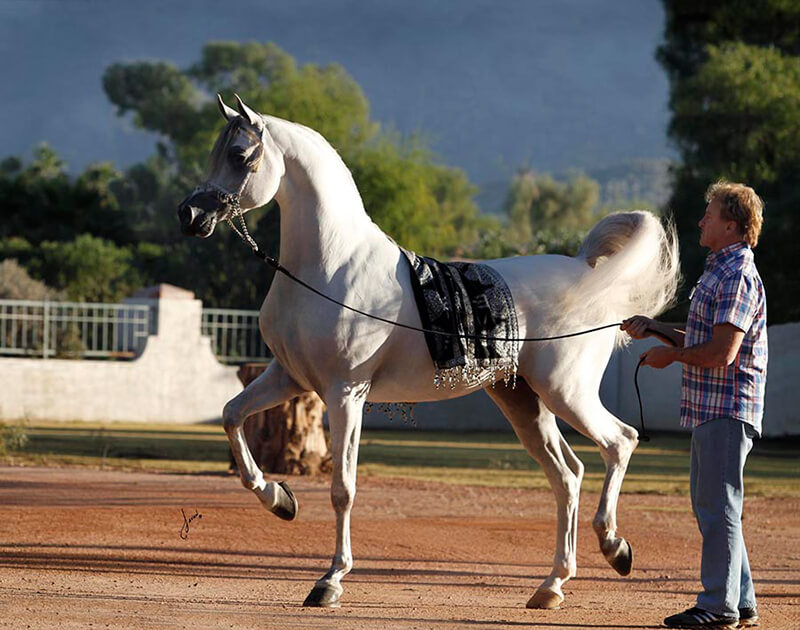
470,300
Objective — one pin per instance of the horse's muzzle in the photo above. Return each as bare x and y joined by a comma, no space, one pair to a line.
198,214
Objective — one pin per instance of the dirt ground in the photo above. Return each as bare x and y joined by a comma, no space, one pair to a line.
99,549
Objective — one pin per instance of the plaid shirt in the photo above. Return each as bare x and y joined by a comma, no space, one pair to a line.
729,291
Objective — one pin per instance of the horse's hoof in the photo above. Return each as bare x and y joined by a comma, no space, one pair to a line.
287,506
323,597
622,561
545,599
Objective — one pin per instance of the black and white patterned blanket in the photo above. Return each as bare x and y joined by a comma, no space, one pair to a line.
473,300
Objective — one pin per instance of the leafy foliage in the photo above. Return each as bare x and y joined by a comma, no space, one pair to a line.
16,283
88,269
13,438
42,202
539,200
422,205
543,216
734,69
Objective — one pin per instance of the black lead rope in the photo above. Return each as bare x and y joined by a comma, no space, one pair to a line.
643,437
278,267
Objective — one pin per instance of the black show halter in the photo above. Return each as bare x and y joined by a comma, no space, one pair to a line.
244,234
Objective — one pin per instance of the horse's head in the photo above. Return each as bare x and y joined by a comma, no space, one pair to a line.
245,171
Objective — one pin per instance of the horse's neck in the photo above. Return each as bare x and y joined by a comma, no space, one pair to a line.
322,216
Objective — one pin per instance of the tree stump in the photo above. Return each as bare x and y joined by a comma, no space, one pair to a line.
289,438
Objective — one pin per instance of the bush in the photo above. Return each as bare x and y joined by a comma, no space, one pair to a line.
16,284
12,438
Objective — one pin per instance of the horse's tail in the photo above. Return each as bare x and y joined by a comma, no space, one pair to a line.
634,268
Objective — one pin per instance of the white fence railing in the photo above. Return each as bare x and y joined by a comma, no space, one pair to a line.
73,329
235,336
83,330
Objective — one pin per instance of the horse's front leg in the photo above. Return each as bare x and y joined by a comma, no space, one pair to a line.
345,408
273,387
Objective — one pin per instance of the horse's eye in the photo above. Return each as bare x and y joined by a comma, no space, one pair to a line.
238,158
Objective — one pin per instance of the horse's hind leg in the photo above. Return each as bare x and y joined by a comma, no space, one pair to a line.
271,388
536,428
581,408
345,408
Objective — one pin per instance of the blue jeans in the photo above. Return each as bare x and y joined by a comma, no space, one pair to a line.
719,451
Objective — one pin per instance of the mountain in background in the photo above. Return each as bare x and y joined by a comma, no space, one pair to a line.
635,180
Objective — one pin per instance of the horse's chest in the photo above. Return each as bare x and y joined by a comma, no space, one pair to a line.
282,330
301,338
317,342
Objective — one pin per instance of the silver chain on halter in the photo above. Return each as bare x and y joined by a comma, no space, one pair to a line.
244,234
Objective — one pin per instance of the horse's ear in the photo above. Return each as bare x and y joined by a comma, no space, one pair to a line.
248,114
227,112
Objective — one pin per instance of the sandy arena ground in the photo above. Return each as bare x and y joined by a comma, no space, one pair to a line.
98,549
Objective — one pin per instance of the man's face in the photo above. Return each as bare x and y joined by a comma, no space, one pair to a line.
715,231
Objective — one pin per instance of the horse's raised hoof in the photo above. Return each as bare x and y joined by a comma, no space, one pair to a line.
323,597
287,506
622,561
545,599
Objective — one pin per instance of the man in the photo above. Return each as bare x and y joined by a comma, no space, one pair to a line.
724,356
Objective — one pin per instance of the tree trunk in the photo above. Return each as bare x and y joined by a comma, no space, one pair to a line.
289,438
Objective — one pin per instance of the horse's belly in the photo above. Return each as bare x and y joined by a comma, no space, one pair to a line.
389,391
406,374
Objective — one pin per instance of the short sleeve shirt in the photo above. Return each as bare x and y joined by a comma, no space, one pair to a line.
729,291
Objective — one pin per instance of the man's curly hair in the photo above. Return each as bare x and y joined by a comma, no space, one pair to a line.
741,204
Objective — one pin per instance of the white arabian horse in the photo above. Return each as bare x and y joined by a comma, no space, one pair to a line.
628,264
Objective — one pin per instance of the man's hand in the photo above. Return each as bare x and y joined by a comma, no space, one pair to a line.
637,326
659,357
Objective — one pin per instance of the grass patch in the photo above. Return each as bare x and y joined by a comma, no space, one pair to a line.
145,447
497,459
487,459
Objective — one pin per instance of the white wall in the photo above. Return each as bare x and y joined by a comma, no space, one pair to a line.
176,378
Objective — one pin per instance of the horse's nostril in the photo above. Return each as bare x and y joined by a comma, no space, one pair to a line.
187,213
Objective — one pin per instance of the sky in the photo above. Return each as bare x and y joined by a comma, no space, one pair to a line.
493,84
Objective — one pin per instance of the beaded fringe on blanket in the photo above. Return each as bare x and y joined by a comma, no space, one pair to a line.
471,308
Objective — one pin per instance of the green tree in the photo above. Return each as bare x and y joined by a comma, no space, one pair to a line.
42,202
88,269
179,104
734,70
547,215
424,206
